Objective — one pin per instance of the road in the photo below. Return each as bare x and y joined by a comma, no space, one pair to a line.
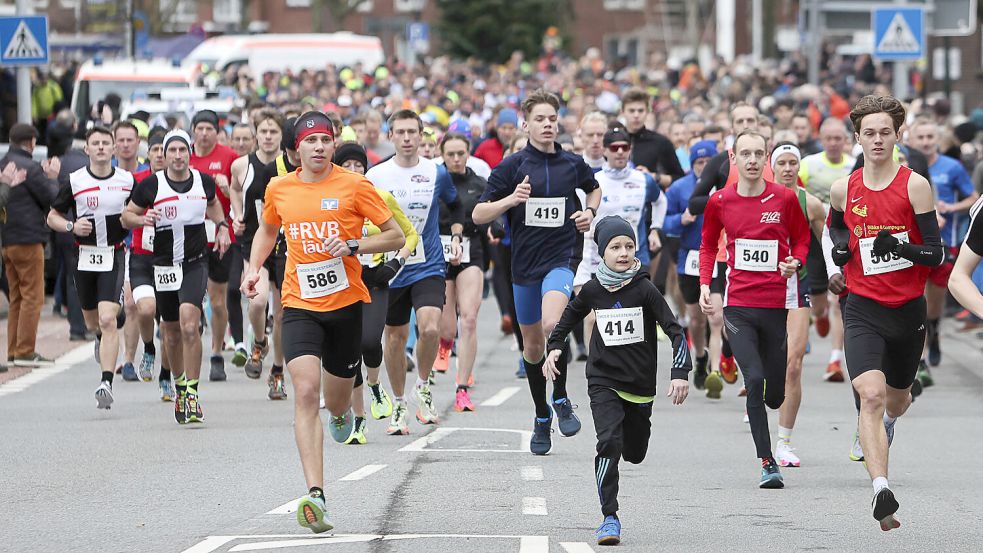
73,478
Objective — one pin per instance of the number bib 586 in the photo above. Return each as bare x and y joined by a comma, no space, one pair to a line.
445,242
619,327
96,259
880,264
545,212
756,255
322,278
168,279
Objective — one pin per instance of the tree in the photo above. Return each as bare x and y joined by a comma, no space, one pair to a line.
491,30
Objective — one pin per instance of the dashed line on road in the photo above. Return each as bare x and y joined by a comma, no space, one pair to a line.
534,506
361,473
576,547
501,397
532,474
62,364
286,508
258,542
422,444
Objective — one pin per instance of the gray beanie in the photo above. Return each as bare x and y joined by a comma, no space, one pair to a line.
610,227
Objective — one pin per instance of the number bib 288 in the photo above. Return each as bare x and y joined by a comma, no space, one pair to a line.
168,279
147,242
322,278
545,212
445,242
96,259
619,327
880,264
756,255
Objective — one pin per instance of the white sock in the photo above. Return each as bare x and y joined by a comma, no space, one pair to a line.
879,484
784,434
836,355
420,382
889,419
241,345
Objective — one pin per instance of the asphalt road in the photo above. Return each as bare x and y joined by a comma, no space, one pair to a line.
73,478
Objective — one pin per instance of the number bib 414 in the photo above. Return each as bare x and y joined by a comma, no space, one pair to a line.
880,264
756,255
96,259
619,327
322,278
168,279
545,212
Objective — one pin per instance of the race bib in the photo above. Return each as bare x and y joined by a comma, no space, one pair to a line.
445,242
880,264
209,231
259,211
692,266
756,255
147,242
322,278
619,327
545,212
96,259
417,256
168,279
366,259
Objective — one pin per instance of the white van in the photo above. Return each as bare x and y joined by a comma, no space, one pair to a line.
280,52
130,79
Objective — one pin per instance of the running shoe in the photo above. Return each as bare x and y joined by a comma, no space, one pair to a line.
889,430
357,437
925,375
728,368
771,477
180,413
147,366
380,404
217,373
426,413
443,360
462,401
609,532
916,389
341,426
884,506
104,395
192,409
130,372
521,373
822,326
700,372
240,357
397,424
856,451
747,420
432,379
311,514
581,353
35,360
541,443
254,365
278,389
834,372
166,389
566,420
714,384
785,455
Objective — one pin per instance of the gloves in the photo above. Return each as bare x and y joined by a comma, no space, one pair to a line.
497,230
885,243
387,271
840,254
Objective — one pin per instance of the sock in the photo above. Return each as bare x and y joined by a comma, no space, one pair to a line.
446,344
107,376
260,343
148,347
420,382
242,345
276,369
462,387
192,386
181,384
165,374
836,355
784,434
316,492
879,484
542,419
399,399
889,419
537,387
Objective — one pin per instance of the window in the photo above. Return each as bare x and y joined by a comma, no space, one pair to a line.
185,12
298,3
226,11
409,5
635,5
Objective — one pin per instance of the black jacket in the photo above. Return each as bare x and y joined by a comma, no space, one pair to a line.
656,153
28,204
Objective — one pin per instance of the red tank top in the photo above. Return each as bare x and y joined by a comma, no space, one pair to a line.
890,280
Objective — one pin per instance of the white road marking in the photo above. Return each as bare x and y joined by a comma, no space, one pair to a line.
576,547
209,544
286,508
421,444
531,474
62,364
362,473
534,544
527,544
534,506
501,397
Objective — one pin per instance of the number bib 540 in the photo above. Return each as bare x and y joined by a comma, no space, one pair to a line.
619,327
322,278
880,264
168,279
756,255
96,259
545,212
445,242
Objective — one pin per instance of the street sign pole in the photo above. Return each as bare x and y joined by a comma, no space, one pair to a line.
23,76
900,73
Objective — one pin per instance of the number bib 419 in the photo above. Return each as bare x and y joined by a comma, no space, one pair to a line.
168,279
96,259
619,327
445,242
880,264
756,255
322,278
545,212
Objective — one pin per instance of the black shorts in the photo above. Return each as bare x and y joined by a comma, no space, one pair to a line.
454,270
270,264
689,285
219,268
335,337
141,270
879,338
719,283
94,287
670,247
816,267
192,292
804,293
428,292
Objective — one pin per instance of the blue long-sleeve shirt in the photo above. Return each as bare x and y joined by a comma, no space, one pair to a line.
689,235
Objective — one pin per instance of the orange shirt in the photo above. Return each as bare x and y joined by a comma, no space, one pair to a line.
338,205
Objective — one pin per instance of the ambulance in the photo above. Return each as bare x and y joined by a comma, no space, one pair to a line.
282,52
129,79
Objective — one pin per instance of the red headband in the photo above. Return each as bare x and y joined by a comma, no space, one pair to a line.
311,126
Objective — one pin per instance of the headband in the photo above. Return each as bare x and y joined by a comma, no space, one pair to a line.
312,123
177,134
785,149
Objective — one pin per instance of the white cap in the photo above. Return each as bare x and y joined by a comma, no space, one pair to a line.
177,134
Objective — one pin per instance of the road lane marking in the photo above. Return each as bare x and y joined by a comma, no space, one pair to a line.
62,364
532,474
534,544
286,508
422,444
501,397
209,544
576,547
527,544
534,506
362,473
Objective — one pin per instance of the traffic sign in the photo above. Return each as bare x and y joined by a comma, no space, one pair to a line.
899,33
418,37
24,40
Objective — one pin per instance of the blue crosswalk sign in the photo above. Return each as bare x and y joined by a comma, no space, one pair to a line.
899,33
24,40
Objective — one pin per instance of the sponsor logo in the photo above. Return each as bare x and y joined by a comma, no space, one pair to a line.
417,205
631,185
310,125
771,217
419,178
170,211
215,166
312,235
399,193
766,198
328,204
617,305
860,211
855,200
92,202
858,231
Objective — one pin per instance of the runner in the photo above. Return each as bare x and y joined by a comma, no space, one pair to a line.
535,188
591,131
176,202
322,209
767,244
244,139
417,183
961,284
90,207
889,228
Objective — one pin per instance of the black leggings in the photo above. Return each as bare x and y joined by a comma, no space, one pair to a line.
758,339
373,323
233,295
623,430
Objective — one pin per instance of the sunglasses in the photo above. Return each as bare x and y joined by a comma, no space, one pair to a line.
619,147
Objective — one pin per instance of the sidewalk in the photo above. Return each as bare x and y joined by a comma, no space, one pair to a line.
52,339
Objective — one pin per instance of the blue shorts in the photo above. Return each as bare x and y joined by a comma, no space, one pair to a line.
529,297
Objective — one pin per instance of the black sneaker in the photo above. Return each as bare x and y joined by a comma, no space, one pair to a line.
180,404
3,368
217,373
541,442
568,422
934,349
700,371
771,477
884,506
192,409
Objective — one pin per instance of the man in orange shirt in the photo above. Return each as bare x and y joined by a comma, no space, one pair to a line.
321,208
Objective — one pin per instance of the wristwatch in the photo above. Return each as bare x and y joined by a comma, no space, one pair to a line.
352,245
69,226
593,211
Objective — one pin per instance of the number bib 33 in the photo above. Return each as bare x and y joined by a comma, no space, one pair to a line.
96,259
619,327
545,212
322,278
168,279
756,255
880,264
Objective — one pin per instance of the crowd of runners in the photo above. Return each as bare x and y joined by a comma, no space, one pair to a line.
326,251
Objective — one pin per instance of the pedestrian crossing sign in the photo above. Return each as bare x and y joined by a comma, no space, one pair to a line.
24,40
899,33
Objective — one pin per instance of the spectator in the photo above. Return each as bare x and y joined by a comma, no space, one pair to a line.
373,136
493,148
9,178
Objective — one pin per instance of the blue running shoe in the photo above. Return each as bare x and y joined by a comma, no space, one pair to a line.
311,514
129,372
568,422
147,367
341,427
771,477
889,430
609,532
521,373
541,443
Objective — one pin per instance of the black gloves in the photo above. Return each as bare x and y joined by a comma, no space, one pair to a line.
387,271
840,254
885,243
